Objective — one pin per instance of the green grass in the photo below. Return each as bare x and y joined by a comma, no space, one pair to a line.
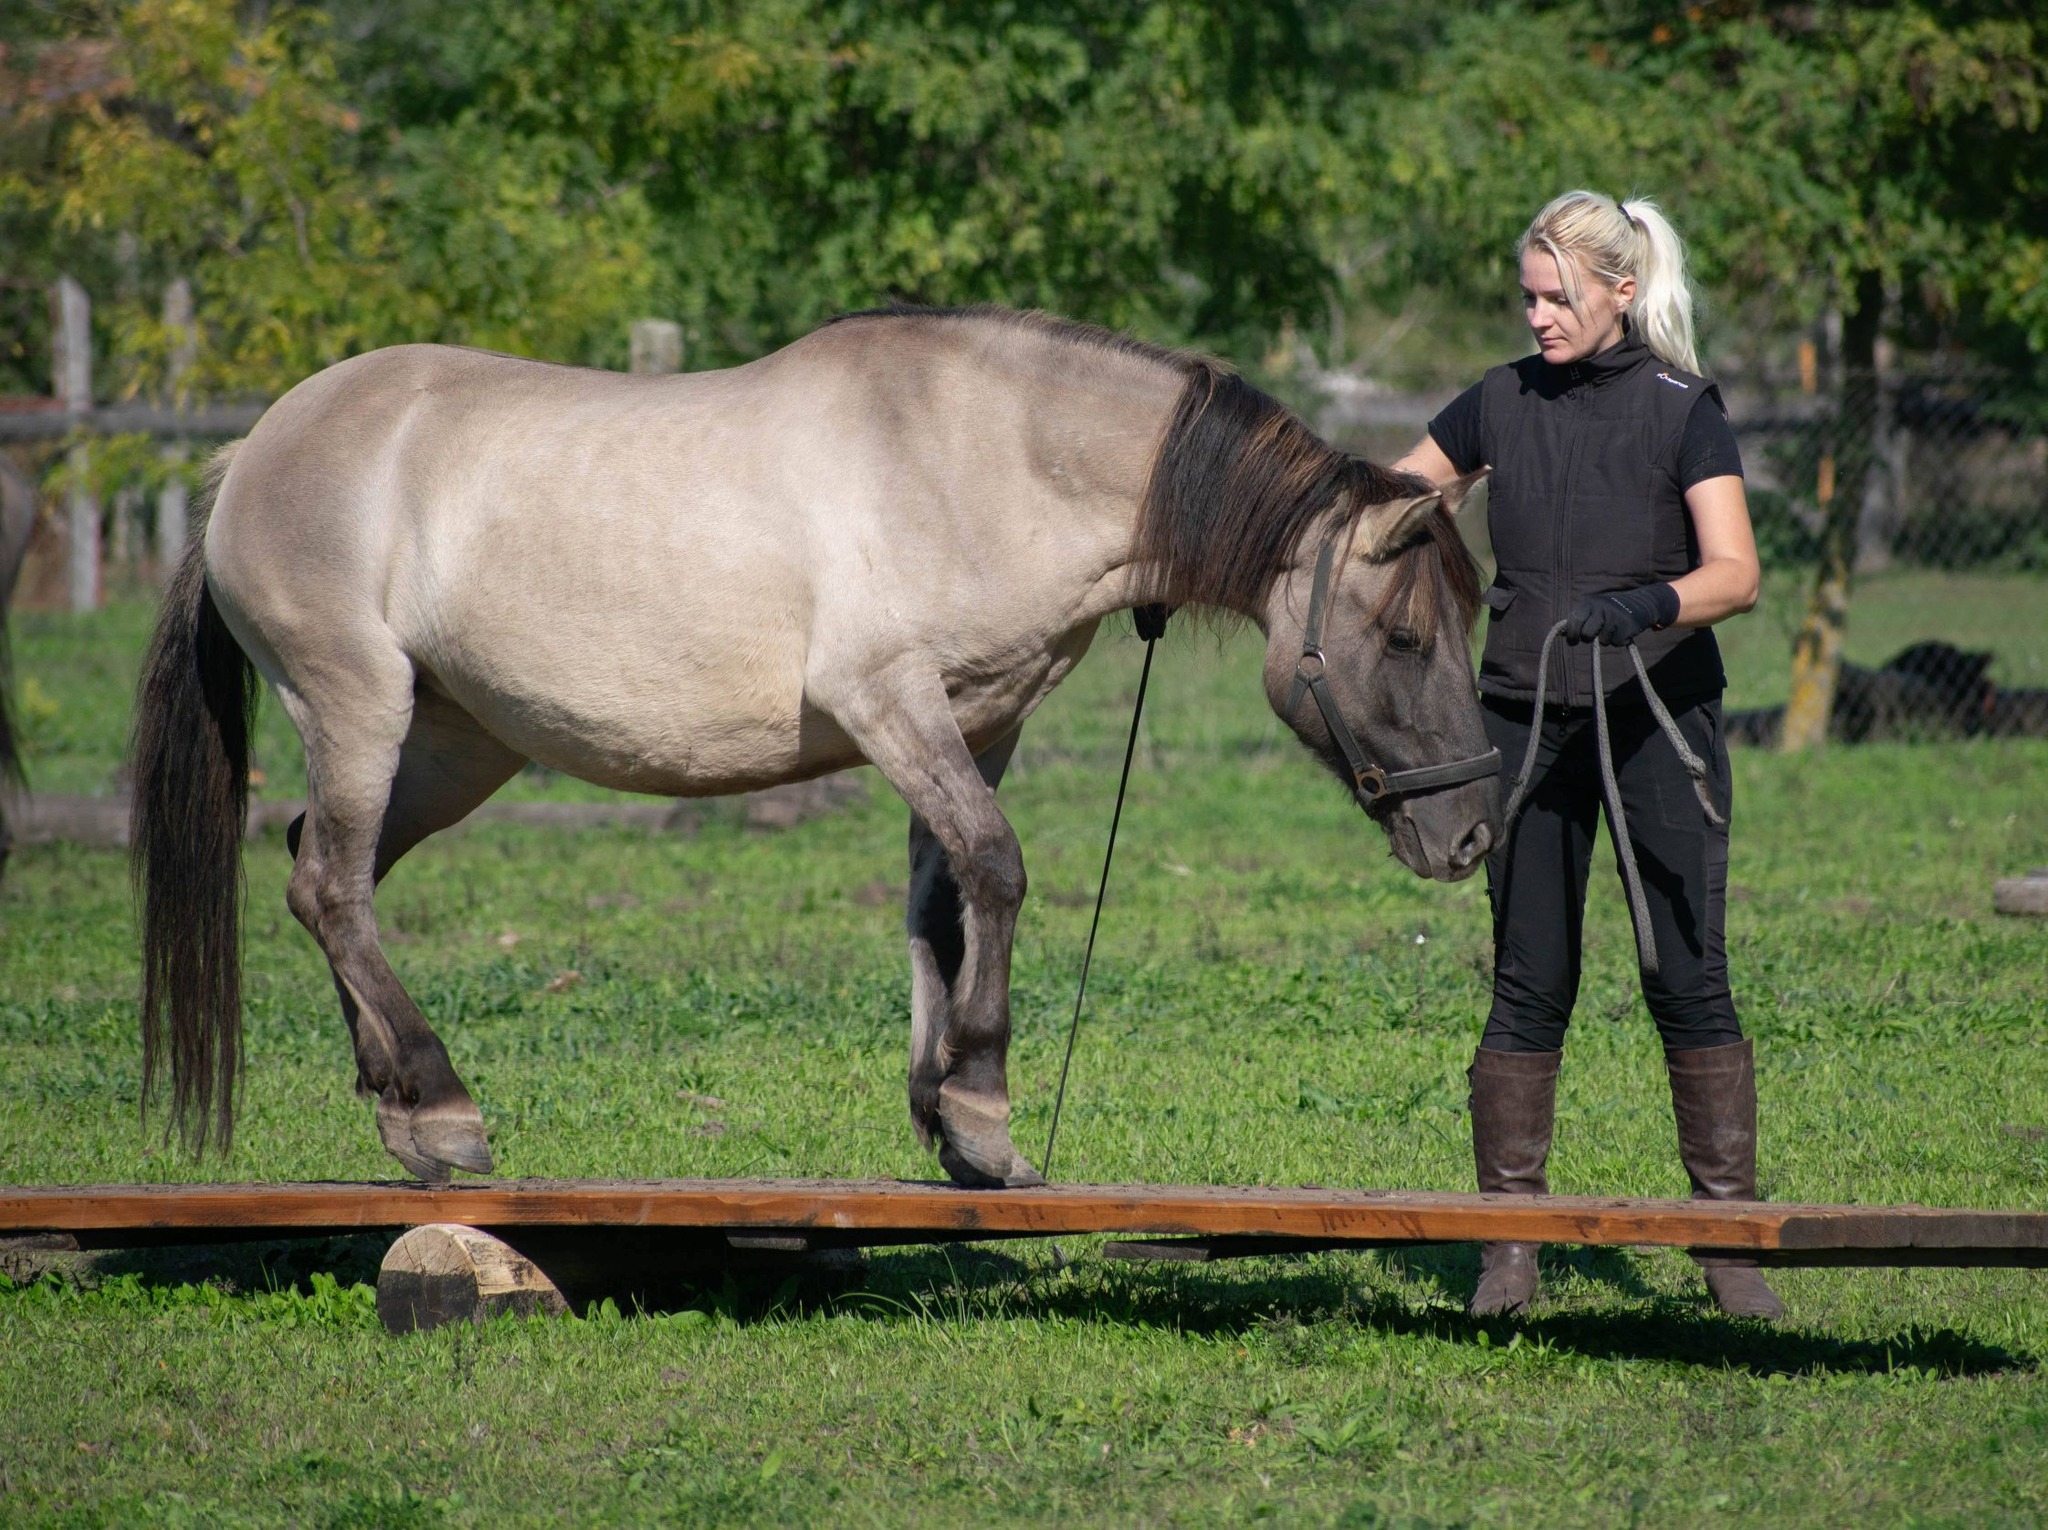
1274,1001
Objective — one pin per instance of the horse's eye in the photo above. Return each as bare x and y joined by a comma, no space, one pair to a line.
1401,640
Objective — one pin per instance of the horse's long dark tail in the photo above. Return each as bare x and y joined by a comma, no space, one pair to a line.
190,756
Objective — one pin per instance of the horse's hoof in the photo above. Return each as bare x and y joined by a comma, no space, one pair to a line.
924,1115
924,1086
432,1141
976,1150
426,1173
1016,1175
454,1136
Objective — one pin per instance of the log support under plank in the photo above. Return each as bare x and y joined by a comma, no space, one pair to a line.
447,1273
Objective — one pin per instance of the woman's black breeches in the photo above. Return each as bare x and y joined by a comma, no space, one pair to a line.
1537,881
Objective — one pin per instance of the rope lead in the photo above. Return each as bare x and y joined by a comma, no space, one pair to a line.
1610,789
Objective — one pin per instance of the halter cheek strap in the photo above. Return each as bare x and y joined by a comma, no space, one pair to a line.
1370,784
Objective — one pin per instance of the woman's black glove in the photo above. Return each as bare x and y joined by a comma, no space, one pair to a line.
1622,617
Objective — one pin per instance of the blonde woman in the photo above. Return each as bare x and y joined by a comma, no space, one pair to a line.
1615,505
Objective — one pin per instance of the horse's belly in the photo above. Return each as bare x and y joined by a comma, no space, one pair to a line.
683,729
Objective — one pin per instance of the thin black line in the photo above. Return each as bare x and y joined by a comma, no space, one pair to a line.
1101,888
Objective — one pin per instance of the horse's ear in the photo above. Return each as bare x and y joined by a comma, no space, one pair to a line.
1455,491
1384,529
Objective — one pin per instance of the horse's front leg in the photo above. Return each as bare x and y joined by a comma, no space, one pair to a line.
907,731
937,944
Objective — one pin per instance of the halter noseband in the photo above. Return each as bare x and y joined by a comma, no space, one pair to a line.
1369,783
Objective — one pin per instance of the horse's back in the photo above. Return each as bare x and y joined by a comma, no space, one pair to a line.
632,578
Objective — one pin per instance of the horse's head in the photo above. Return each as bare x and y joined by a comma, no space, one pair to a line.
1370,623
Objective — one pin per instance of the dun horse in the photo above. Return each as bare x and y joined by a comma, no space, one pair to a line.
885,543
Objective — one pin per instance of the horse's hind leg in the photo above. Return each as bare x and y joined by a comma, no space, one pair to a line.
382,773
938,944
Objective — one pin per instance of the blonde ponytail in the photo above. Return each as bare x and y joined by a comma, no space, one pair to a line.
1586,232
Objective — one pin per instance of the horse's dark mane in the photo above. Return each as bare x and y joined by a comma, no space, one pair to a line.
1238,481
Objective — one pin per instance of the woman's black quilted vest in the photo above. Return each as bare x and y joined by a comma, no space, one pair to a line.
1585,499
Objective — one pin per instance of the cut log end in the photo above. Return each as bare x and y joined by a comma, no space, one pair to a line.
445,1273
2026,895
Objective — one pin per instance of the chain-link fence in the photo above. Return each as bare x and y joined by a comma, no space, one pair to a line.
1953,471
1917,501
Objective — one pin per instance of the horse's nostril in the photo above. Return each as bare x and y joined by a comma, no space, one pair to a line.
1475,845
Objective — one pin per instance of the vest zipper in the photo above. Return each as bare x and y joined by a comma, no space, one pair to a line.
1562,561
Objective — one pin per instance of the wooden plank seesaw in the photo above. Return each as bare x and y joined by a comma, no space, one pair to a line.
576,1235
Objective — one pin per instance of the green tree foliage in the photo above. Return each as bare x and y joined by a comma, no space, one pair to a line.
1142,165
532,174
172,140
1797,147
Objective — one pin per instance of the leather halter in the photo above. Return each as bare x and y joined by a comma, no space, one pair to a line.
1370,784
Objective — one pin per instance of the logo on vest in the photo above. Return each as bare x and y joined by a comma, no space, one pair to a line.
1667,377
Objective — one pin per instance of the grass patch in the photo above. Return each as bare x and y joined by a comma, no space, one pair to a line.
1274,1001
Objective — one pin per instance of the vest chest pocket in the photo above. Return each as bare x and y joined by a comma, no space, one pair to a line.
1615,506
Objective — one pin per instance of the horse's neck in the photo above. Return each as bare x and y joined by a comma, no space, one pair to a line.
1102,427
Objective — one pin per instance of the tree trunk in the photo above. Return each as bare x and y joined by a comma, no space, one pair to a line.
1845,466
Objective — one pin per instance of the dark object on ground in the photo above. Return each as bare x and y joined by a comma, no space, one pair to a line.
1930,690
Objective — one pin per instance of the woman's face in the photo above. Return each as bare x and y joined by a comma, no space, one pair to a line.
1564,333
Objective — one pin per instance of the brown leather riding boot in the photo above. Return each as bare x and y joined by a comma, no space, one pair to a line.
1514,1102
1713,1095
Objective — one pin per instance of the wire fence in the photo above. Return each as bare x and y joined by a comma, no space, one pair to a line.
1951,470
1925,492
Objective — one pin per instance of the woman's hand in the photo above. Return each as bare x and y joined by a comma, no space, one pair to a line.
1621,617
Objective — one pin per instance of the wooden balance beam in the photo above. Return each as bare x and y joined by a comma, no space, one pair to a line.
574,1235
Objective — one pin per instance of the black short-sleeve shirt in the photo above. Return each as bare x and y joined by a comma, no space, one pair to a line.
1708,449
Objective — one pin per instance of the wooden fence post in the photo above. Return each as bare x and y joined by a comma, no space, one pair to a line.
173,499
656,346
72,376
1844,473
